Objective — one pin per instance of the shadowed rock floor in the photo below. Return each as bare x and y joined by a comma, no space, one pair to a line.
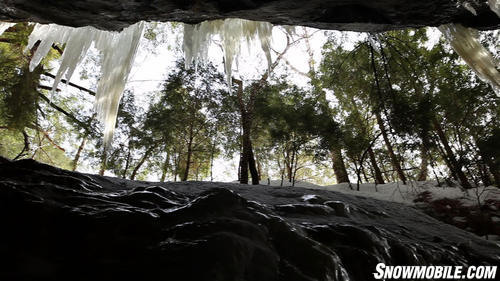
61,225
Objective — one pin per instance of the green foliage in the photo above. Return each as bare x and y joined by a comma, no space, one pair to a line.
398,75
187,117
21,100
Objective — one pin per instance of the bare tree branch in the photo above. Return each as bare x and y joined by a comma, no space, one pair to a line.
71,84
69,115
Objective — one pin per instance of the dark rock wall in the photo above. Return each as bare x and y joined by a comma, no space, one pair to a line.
60,225
354,15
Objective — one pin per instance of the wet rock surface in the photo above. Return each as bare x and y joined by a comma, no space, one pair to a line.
355,15
62,225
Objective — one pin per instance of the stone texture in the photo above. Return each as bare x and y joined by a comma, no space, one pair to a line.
62,225
355,15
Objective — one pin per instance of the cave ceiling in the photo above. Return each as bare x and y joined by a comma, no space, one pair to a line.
353,15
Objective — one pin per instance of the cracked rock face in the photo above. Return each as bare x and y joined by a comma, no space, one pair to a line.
354,15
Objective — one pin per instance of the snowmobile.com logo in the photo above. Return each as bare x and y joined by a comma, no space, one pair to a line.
434,272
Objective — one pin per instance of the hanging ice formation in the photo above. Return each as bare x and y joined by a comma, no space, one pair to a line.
495,6
469,8
465,41
118,50
197,39
4,26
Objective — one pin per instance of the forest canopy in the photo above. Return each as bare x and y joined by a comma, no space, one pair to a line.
394,106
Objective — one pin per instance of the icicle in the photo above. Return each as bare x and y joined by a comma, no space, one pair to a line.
197,39
188,44
468,6
48,35
495,6
466,43
4,26
265,32
77,45
118,52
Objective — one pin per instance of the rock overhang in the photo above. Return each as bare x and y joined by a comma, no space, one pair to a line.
351,15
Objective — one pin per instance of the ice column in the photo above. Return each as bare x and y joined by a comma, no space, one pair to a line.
470,8
117,50
495,6
466,43
4,26
197,39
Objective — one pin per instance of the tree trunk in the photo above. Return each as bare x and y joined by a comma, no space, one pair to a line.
197,172
287,162
240,164
164,169
127,163
189,155
292,161
246,111
244,160
394,159
141,162
253,168
450,155
424,156
259,169
295,169
447,161
339,166
247,160
281,169
434,170
358,175
104,159
26,146
379,179
212,152
363,172
176,167
177,160
78,153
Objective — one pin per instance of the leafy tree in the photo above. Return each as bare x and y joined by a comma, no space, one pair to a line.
186,118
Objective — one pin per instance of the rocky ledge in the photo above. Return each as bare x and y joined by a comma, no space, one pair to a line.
354,15
61,225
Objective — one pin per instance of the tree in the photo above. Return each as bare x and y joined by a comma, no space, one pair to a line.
246,97
418,97
185,119
25,108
